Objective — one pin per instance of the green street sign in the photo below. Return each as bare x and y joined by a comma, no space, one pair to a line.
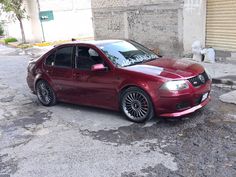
46,16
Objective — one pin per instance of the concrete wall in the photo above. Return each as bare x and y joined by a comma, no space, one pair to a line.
154,23
32,9
194,23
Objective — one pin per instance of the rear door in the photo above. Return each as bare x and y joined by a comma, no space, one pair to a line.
61,70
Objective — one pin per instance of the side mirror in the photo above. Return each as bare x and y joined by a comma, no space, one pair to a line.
98,67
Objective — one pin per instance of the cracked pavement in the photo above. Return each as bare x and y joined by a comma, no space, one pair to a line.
71,140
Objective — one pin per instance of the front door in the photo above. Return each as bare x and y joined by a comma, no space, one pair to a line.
95,88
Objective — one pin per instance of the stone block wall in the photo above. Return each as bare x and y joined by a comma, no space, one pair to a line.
154,23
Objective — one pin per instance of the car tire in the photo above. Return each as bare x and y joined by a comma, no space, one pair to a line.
136,105
45,93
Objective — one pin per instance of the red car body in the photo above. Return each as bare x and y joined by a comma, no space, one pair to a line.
102,88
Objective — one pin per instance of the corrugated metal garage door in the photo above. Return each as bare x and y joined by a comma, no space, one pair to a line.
221,24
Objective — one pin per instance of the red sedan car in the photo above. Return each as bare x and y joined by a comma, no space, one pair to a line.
119,75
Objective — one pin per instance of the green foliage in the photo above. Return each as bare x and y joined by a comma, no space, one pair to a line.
1,30
16,10
15,7
10,39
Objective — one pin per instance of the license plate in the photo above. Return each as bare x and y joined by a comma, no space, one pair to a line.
204,97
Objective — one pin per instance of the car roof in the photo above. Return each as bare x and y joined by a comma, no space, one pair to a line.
93,42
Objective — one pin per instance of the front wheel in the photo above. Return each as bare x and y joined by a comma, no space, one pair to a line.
45,93
136,105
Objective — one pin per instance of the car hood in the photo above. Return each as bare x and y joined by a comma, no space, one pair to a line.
168,68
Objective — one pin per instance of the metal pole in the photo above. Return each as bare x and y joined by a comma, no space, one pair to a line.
41,23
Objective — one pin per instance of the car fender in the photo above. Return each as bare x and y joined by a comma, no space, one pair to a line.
41,76
144,85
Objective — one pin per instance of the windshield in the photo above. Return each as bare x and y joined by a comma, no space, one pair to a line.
123,53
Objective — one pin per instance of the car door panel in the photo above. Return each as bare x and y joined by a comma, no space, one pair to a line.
61,72
96,88
63,81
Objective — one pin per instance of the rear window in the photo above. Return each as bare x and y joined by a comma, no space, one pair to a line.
50,59
64,57
61,58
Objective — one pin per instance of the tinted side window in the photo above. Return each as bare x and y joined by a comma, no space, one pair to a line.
87,57
64,57
50,59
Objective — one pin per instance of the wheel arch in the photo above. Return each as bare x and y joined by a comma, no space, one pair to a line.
143,86
53,97
39,78
152,111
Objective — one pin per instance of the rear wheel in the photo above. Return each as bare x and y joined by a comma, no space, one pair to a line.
136,105
45,93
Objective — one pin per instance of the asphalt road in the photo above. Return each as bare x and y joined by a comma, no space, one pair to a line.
75,141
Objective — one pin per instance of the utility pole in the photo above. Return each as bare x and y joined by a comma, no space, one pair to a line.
41,23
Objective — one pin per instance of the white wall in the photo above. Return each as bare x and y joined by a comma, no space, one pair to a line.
13,30
31,25
72,19
194,21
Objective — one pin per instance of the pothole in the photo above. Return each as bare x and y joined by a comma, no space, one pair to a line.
7,99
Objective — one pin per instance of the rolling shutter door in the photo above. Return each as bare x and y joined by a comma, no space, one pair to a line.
221,24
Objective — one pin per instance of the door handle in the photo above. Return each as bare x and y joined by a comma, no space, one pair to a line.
76,75
48,71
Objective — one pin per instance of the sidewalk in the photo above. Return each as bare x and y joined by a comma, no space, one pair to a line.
35,52
221,73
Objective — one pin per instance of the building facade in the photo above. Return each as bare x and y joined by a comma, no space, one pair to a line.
70,19
168,25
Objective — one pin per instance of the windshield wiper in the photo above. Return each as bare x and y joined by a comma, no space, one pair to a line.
135,63
149,60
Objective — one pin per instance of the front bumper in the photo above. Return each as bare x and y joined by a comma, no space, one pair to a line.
176,104
187,111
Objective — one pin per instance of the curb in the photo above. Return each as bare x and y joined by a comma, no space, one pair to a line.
223,81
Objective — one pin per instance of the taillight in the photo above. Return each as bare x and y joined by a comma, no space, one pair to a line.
31,67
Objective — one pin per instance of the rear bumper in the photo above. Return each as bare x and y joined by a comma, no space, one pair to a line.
30,82
188,111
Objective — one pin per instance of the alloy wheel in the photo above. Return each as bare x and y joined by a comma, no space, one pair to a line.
135,106
44,93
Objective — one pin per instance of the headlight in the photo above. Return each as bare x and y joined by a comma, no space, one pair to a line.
175,85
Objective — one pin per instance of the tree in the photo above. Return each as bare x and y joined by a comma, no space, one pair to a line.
18,12
1,29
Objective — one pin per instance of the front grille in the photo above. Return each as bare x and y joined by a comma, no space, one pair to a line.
197,101
183,105
197,81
